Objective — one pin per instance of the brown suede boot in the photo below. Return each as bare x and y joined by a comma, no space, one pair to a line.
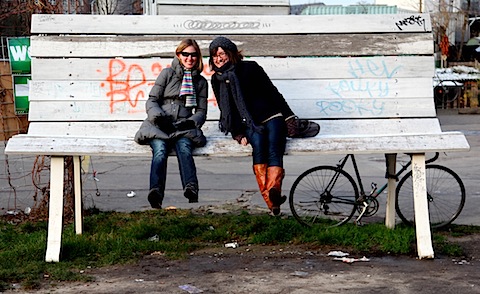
260,171
275,176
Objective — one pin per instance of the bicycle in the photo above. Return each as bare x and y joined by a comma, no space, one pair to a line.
329,193
446,92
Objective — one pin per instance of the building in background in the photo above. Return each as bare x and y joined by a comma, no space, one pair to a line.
322,9
217,7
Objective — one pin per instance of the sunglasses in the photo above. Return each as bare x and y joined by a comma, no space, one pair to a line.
186,54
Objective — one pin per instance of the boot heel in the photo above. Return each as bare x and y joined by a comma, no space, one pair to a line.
277,199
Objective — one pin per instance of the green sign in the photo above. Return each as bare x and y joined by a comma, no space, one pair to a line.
20,93
19,52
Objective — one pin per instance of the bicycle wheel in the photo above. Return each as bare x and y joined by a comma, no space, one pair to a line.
445,193
323,194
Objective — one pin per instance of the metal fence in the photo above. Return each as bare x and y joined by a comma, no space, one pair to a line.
3,48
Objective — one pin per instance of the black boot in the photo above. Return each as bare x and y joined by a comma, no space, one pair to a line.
155,197
191,192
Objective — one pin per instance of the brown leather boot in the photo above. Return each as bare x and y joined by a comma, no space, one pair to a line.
275,175
260,171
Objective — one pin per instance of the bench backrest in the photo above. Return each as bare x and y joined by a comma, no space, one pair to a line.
91,74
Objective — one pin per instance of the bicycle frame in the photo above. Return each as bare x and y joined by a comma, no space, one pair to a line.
377,192
363,199
332,193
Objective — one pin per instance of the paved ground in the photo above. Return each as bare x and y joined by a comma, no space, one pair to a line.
224,180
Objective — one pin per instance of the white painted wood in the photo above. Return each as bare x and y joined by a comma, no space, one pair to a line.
391,191
395,143
225,146
420,203
322,109
331,128
77,185
147,69
316,90
240,24
252,45
55,210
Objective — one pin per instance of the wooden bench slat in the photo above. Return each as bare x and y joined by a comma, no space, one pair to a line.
222,146
312,109
252,45
328,128
318,89
241,24
147,69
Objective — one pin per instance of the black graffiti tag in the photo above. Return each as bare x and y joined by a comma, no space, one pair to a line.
412,20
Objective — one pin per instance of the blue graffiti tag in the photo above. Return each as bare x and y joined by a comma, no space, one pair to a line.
350,106
372,89
371,68
361,72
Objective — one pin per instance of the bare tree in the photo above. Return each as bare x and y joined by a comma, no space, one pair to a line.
448,18
465,15
15,15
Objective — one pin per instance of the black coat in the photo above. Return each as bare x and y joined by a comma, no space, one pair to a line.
262,98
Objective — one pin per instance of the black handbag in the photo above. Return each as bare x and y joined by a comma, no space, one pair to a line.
302,128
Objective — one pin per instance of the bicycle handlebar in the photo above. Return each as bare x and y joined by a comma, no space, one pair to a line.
435,157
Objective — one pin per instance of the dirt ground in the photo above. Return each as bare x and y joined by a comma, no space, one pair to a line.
288,269
250,269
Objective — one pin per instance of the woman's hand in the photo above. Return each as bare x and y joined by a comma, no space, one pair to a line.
241,139
244,141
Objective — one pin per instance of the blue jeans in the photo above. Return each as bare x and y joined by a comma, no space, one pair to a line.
269,146
158,171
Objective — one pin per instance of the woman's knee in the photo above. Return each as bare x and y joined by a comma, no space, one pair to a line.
159,148
184,145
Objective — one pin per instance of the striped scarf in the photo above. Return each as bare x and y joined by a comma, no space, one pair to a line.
187,89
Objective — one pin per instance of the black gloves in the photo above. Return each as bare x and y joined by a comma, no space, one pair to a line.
184,125
165,124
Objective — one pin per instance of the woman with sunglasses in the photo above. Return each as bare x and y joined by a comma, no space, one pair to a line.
254,112
176,109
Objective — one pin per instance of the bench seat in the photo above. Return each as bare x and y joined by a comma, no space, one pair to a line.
225,146
366,79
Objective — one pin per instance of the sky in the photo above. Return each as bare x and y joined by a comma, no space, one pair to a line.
329,2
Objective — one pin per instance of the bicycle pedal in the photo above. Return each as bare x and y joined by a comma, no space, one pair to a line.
358,223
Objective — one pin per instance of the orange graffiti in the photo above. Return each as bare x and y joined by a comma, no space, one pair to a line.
125,83
123,88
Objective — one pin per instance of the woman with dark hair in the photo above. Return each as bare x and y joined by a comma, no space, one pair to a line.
254,112
176,110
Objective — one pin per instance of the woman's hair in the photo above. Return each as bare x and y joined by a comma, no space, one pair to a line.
234,56
190,42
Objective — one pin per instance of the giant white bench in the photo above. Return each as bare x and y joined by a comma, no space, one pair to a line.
366,79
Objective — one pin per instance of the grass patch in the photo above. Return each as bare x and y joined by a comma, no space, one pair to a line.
119,238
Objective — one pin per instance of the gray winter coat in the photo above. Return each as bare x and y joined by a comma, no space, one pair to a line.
164,100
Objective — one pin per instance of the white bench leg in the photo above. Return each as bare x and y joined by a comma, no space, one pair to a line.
77,184
391,187
55,209
420,204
